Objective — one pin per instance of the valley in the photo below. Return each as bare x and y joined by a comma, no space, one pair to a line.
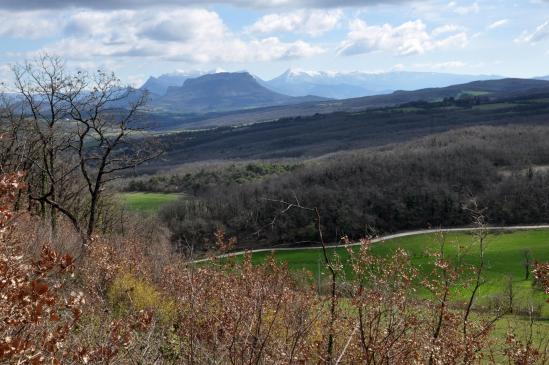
310,136
216,217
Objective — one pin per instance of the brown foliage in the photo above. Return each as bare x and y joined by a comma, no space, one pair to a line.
55,309
39,313
541,275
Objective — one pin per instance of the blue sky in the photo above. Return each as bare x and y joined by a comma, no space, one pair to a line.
138,38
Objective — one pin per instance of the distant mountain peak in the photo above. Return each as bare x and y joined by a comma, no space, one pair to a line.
226,75
159,85
298,72
350,84
224,91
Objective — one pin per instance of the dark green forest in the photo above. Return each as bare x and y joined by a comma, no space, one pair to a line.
317,135
429,182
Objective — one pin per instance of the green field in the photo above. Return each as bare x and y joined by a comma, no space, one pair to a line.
147,203
503,257
474,93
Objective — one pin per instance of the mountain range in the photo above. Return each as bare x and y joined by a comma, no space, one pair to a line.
485,91
343,85
333,85
220,92
159,85
315,131
238,98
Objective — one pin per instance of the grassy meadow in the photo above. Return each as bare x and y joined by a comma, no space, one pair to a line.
504,257
147,203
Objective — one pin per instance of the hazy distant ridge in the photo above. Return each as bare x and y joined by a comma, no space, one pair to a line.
223,91
342,85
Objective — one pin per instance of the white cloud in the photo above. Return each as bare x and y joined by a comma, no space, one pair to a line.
5,71
541,33
409,38
311,22
474,8
190,35
28,24
273,49
139,4
136,80
449,28
498,24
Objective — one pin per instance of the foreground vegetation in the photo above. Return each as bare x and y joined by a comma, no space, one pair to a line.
97,307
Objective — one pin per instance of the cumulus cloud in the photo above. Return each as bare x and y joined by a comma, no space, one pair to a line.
311,22
445,29
190,35
407,39
27,24
541,33
137,4
272,48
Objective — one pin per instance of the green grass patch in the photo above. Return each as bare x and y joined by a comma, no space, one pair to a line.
148,203
503,257
474,93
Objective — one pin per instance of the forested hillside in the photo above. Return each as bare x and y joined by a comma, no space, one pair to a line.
426,183
305,137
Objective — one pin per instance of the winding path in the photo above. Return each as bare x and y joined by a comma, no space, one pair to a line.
381,239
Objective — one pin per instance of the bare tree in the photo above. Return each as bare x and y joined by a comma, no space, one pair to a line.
40,85
84,128
480,233
107,117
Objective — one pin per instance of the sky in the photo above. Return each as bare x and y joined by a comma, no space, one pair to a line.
139,38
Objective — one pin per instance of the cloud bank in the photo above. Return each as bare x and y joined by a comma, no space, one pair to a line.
138,4
189,35
406,39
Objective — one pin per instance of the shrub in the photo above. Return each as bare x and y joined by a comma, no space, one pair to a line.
128,294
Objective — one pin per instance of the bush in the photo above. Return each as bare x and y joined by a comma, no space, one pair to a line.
128,294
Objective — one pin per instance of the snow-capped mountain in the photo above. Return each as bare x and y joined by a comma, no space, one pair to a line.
341,85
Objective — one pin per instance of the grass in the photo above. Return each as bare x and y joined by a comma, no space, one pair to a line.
147,203
503,257
475,93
